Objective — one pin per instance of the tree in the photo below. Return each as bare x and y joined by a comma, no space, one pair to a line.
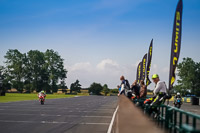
15,68
95,88
189,74
114,90
6,84
2,89
55,68
75,87
180,89
34,71
105,89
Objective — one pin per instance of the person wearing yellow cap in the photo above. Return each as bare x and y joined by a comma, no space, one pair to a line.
160,86
159,92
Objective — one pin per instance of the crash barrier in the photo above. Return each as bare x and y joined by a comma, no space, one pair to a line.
172,118
130,119
193,100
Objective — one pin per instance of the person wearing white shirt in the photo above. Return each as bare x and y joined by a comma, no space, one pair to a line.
159,92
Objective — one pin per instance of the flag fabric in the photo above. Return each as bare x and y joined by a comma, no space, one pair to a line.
148,82
143,67
138,72
176,43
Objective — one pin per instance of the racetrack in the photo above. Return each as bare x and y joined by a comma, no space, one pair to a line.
188,107
68,115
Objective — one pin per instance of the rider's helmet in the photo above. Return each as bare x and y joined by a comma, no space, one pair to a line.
42,91
178,94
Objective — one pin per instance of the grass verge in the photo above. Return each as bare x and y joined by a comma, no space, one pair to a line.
12,97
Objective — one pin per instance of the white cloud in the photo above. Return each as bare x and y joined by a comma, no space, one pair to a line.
108,71
86,66
136,64
165,69
107,64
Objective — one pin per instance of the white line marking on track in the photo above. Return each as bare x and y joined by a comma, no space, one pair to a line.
98,116
49,115
51,122
12,121
94,123
102,109
112,121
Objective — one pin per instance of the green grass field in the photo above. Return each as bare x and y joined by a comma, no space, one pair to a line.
11,97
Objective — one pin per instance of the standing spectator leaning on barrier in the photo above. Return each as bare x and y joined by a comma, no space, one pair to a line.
143,89
125,87
159,92
135,89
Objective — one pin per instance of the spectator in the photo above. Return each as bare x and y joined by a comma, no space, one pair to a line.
143,89
119,88
135,89
160,92
125,87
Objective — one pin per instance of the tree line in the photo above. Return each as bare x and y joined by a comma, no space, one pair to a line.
36,71
189,77
33,71
94,89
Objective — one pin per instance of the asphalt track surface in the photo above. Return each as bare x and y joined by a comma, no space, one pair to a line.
189,107
85,114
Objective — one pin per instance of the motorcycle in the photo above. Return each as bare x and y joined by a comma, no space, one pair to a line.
41,99
178,103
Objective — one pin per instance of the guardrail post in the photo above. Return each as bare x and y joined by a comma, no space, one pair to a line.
162,115
194,123
175,120
168,117
180,120
187,119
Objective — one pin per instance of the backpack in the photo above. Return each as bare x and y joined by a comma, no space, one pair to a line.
127,85
128,92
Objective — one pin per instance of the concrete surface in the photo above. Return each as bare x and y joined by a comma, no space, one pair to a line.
130,119
69,115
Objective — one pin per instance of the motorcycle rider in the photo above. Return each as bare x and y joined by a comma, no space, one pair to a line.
41,93
178,96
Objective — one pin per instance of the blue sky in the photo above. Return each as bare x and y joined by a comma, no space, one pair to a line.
100,39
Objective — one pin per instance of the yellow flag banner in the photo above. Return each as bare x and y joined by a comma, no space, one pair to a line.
138,72
143,69
148,82
176,43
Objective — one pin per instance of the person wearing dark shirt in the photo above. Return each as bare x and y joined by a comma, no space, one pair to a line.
135,89
125,87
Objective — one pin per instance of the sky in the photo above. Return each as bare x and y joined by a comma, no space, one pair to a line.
100,40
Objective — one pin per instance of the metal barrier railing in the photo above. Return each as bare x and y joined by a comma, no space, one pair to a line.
172,118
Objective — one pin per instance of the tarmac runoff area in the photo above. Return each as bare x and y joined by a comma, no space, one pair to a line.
188,107
94,114
68,115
